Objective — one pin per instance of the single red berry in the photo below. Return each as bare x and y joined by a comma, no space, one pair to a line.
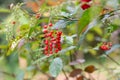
58,38
50,24
54,42
13,22
58,41
51,44
104,47
85,0
51,52
58,44
51,48
85,6
46,48
46,42
53,39
59,48
45,26
56,51
60,32
50,34
45,30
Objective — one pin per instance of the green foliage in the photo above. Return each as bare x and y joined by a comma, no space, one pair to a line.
83,32
56,67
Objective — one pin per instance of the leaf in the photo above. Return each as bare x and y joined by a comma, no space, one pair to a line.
87,21
80,78
75,72
90,25
69,40
60,24
87,17
56,67
90,69
20,75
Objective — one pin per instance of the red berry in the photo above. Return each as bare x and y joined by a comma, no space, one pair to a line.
45,52
54,42
85,0
59,48
46,42
51,44
50,24
56,51
51,48
104,47
53,39
85,6
58,44
45,30
45,26
50,34
59,33
46,48
51,52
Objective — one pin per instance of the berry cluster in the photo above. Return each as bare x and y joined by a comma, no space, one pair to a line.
85,4
106,46
52,40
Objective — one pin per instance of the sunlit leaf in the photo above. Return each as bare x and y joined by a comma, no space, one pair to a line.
60,24
56,67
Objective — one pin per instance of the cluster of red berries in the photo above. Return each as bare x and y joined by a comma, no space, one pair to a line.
106,46
85,4
52,40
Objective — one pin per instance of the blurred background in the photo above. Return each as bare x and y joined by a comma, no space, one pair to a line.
9,64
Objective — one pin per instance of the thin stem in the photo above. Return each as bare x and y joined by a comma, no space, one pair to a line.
113,60
65,74
6,73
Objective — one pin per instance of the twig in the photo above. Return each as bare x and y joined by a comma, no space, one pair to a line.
65,74
6,73
112,59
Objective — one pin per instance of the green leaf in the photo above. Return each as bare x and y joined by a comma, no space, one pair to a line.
56,67
87,17
69,39
91,25
20,75
60,24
